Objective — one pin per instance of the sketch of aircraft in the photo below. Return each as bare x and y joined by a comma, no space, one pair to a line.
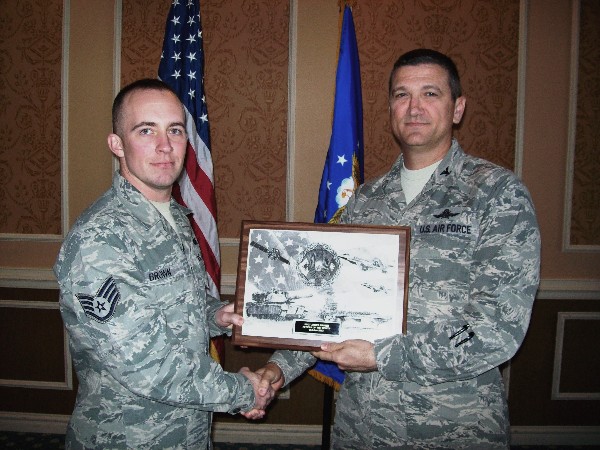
365,264
379,288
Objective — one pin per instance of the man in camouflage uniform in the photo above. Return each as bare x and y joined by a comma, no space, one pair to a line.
474,271
133,297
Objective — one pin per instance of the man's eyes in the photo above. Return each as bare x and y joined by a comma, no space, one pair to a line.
173,131
425,94
177,131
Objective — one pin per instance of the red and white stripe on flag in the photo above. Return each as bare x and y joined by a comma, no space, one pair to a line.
182,68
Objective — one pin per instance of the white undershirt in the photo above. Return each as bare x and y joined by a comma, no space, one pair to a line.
413,181
165,209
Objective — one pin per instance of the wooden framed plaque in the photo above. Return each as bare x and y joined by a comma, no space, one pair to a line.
302,284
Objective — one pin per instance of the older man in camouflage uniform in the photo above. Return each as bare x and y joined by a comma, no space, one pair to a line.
133,297
474,271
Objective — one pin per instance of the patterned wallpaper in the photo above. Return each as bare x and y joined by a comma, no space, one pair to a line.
480,36
246,83
246,78
585,206
30,116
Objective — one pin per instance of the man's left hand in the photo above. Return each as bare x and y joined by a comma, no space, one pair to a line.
353,355
225,317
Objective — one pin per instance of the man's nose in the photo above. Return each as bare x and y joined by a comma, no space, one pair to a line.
414,106
164,143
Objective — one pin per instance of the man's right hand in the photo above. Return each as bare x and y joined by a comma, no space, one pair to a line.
271,380
271,376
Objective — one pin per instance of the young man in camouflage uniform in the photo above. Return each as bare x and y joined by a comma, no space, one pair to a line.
133,297
474,271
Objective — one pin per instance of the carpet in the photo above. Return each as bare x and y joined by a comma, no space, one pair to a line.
41,441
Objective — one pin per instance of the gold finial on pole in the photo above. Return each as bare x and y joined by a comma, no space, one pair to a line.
343,3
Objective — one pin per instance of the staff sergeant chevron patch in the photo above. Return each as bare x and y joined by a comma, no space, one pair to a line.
102,306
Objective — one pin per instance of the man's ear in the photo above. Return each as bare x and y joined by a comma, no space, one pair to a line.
115,144
459,109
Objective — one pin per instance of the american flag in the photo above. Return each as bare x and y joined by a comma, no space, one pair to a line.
182,68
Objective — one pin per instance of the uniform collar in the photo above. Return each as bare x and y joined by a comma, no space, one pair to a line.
451,164
137,204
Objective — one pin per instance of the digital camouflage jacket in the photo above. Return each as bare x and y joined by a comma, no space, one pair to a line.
132,298
474,272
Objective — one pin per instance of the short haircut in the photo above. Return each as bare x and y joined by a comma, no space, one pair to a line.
428,56
143,84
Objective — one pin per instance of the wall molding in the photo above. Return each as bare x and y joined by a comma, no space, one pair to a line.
65,119
31,237
117,50
552,435
559,289
521,85
250,433
290,202
67,383
228,282
33,422
27,278
558,353
64,101
572,132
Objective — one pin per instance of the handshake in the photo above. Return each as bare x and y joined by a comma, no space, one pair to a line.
266,381
354,355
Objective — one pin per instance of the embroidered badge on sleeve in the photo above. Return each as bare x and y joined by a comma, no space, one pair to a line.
101,306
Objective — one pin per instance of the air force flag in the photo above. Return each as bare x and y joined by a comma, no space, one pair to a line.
343,170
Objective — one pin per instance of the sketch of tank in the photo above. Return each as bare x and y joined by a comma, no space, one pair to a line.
329,311
274,305
332,314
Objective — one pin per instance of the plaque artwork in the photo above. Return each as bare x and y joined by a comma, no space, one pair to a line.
301,284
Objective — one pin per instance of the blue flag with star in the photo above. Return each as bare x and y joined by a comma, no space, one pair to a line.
343,169
344,165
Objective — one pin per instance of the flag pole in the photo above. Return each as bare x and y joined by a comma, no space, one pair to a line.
327,416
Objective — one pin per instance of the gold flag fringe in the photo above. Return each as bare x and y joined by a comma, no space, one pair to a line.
214,353
324,379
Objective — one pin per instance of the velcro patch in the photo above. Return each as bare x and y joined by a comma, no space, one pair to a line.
101,306
157,275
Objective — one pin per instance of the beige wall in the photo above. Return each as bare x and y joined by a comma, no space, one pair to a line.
546,136
315,40
90,93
